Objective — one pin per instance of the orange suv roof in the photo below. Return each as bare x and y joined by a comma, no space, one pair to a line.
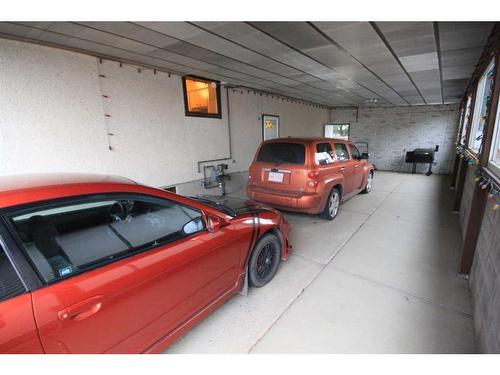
305,139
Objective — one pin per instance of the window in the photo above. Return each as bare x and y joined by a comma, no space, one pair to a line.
324,154
483,93
289,153
494,163
69,238
463,136
341,151
355,152
201,97
337,131
10,284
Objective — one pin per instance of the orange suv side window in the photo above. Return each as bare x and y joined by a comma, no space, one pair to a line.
354,152
341,151
324,154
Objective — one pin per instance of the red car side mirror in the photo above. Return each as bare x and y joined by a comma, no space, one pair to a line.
214,223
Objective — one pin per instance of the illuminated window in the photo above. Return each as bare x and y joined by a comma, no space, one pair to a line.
483,94
201,97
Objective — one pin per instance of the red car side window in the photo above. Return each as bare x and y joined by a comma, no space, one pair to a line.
10,284
65,239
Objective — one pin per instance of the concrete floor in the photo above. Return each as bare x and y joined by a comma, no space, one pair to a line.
380,278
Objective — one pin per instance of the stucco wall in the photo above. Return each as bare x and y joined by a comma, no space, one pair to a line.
52,119
296,120
50,110
391,131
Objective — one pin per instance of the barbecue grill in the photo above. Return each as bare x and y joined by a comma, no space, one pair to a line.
421,155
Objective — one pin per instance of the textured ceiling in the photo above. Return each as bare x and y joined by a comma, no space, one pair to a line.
332,63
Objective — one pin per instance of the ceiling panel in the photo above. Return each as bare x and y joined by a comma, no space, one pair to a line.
252,38
461,46
305,38
414,44
417,63
361,41
333,63
182,38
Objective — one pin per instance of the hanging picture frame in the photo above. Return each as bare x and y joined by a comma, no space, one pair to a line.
341,131
270,127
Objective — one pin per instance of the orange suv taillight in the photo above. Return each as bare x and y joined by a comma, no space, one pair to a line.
313,182
313,175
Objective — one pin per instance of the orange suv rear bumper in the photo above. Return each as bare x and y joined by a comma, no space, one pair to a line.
309,203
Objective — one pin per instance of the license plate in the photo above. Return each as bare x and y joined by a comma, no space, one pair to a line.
275,177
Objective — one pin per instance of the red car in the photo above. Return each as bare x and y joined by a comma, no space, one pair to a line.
99,264
310,175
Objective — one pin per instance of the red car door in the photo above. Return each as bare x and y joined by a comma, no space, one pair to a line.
347,167
18,332
140,270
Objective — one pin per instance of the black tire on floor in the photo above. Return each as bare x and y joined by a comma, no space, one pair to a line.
332,205
369,184
264,260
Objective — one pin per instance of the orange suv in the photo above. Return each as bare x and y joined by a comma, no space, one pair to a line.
310,175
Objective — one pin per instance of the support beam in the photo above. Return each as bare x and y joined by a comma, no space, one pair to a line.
454,174
461,122
459,190
462,169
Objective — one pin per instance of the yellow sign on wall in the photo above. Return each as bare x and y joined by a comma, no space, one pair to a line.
270,127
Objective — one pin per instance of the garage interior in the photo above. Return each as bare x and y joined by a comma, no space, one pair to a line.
412,267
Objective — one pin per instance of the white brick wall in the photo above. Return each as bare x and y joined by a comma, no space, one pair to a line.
391,131
485,283
485,274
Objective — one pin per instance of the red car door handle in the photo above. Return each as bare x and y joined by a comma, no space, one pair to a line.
342,169
356,166
82,310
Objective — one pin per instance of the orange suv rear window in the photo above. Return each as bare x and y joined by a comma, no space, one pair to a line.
288,153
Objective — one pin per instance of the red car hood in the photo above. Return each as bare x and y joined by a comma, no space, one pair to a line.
233,206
